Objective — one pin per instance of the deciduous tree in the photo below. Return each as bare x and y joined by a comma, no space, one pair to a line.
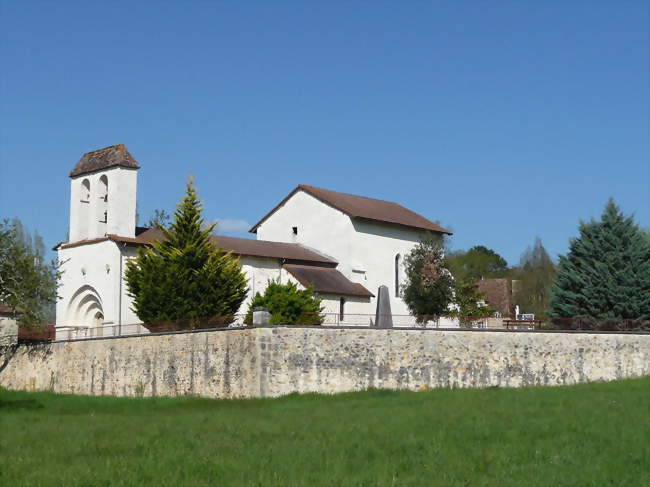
477,263
159,219
467,298
28,283
534,278
429,284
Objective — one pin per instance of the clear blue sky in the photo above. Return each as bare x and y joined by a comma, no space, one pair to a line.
503,120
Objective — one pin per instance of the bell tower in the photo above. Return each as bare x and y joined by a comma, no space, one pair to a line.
103,188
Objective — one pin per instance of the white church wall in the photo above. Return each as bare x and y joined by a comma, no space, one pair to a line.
86,291
88,204
122,190
128,315
259,271
375,246
365,250
80,197
320,227
357,310
90,286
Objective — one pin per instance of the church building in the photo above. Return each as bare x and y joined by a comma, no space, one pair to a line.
344,246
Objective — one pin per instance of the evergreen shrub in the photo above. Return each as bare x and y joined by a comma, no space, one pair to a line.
288,305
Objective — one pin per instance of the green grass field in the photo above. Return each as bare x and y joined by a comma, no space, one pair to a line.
587,435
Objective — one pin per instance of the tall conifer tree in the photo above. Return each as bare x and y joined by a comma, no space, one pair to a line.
185,275
606,273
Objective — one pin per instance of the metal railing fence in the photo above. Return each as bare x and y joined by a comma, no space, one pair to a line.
75,332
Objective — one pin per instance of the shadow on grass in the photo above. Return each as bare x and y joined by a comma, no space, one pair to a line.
21,404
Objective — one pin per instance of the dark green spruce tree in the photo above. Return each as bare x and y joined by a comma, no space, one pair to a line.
185,275
606,273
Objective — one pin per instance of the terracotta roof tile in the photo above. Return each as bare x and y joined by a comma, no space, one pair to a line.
498,294
364,208
115,155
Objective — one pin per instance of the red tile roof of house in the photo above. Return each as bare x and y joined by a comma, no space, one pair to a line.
498,294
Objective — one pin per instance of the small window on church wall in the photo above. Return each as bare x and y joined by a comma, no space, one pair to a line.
103,188
342,309
85,191
102,204
295,230
398,259
81,227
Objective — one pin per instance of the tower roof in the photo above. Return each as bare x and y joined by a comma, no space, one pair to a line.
114,155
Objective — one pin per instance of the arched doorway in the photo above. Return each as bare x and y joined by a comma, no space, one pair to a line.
85,311
98,324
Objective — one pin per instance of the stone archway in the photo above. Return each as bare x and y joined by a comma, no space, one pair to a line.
85,308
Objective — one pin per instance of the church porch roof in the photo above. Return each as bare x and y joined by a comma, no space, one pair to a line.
326,280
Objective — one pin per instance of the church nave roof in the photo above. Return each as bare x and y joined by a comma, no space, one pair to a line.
363,208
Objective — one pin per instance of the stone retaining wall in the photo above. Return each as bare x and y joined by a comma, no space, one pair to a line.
8,331
272,361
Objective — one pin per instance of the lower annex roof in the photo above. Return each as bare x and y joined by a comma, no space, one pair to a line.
319,273
289,252
326,280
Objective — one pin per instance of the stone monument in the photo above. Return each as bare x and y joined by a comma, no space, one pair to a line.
261,316
383,316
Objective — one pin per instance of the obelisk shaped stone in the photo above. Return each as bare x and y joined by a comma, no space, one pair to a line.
383,316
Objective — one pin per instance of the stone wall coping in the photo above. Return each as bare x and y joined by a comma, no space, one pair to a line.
356,328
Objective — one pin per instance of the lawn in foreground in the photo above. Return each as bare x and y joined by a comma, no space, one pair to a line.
591,434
